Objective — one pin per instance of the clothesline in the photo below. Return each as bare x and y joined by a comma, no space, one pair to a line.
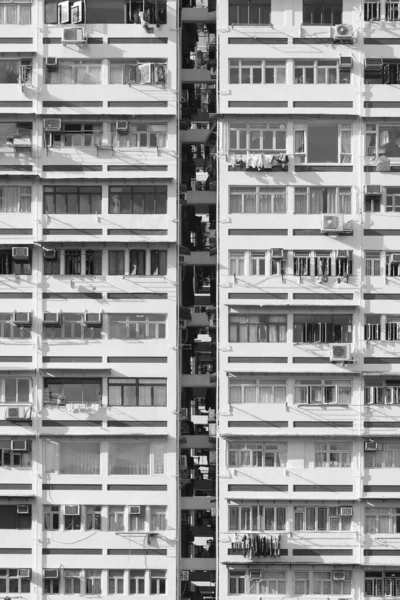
255,545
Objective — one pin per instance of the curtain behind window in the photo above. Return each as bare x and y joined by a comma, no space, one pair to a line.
126,458
79,457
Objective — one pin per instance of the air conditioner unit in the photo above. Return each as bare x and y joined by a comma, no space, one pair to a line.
184,575
122,126
19,445
93,319
134,510
23,509
52,124
370,446
20,253
51,318
346,511
22,142
22,319
183,461
24,573
338,575
277,253
184,414
73,35
72,509
50,573
342,33
332,223
395,258
50,254
345,62
51,63
340,352
374,64
16,413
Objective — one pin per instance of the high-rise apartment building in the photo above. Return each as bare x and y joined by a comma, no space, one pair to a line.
199,322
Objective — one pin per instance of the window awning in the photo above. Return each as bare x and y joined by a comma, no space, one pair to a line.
74,372
348,433
15,431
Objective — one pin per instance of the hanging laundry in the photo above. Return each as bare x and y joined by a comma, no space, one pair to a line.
384,137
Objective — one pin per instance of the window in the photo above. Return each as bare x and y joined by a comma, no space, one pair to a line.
158,518
14,458
245,12
137,392
138,72
326,583
86,72
51,517
93,581
256,391
72,457
142,458
382,71
9,330
323,143
253,136
301,263
69,199
137,327
257,200
322,329
318,201
236,262
138,200
70,390
373,264
332,454
392,199
392,10
385,519
257,454
72,521
72,327
382,140
318,12
93,262
251,328
382,394
267,582
387,456
9,266
279,265
10,583
381,583
116,581
322,391
72,581
158,582
140,135
154,12
257,518
136,582
137,522
344,263
51,586
237,582
10,518
392,264
256,71
372,202
9,130
116,262
322,264
320,518
52,266
158,262
15,390
372,10
15,14
116,518
72,262
319,71
93,518
257,263
372,327
15,198
301,583
15,70
75,135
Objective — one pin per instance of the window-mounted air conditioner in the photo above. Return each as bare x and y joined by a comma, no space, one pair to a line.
50,573
184,414
50,253
396,258
340,352
72,509
371,446
51,318
342,33
20,253
24,573
23,509
93,319
345,63
52,124
346,511
19,445
73,35
51,63
184,575
331,223
277,253
134,510
338,575
22,319
122,126
16,413
374,64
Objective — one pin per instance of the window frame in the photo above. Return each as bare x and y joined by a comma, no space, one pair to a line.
301,136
